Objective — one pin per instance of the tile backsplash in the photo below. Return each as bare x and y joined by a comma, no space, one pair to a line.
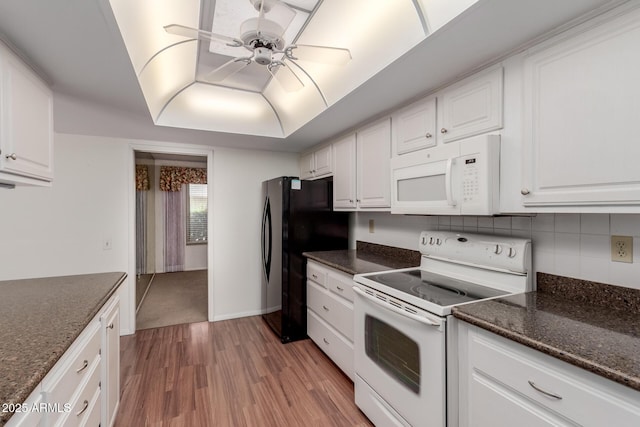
573,245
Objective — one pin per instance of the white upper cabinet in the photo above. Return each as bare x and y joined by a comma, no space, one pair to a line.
26,124
361,178
471,107
414,127
344,176
373,155
581,111
316,164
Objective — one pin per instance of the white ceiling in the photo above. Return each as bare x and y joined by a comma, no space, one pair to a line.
76,46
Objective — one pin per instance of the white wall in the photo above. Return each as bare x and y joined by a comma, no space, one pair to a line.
60,230
573,245
237,187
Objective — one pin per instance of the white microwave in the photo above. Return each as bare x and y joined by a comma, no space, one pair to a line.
457,178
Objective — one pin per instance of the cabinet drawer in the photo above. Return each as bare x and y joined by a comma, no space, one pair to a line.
84,398
73,368
341,284
331,342
537,377
317,274
334,310
92,419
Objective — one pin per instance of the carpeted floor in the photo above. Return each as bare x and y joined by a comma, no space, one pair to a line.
173,299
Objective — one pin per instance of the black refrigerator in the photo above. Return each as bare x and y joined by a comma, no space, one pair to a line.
297,217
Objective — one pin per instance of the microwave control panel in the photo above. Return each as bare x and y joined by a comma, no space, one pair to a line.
470,186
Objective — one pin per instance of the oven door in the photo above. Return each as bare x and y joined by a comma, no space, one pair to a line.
400,362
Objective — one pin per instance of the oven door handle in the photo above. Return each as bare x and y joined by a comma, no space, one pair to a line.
389,307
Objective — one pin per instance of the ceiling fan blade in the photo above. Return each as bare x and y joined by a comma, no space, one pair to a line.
322,54
195,33
285,77
227,69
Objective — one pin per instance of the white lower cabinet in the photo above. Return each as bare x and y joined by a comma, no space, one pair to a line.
330,314
82,388
110,324
503,383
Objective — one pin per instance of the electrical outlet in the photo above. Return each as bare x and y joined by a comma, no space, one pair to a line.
622,249
371,226
107,244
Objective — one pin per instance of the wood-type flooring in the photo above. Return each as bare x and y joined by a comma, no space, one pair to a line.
230,373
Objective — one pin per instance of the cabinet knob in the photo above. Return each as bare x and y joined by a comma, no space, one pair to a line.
325,340
12,156
110,326
358,200
524,191
325,308
350,200
428,135
443,130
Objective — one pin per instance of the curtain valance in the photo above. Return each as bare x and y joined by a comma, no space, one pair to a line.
173,177
142,178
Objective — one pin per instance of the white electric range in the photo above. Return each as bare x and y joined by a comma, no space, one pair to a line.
404,338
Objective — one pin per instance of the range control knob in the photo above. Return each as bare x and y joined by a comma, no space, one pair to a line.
512,252
431,240
438,242
497,250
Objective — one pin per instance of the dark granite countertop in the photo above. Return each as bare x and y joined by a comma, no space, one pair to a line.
40,319
367,258
590,325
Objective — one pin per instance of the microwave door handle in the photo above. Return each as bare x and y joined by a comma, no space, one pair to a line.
448,184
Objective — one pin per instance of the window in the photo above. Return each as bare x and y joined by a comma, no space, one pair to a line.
196,214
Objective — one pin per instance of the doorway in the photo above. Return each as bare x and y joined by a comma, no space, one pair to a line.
171,235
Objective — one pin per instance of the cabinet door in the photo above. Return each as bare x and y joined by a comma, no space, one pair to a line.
110,322
306,166
26,138
472,107
344,173
373,154
581,114
323,161
414,127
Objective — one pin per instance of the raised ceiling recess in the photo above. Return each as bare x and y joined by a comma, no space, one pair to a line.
265,67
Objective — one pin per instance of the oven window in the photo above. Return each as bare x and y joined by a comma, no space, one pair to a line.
394,352
423,189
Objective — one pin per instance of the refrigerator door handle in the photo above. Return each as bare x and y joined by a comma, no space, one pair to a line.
266,249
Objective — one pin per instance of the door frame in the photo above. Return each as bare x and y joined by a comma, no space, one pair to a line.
164,148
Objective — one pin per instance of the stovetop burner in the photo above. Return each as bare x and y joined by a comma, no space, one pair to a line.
441,290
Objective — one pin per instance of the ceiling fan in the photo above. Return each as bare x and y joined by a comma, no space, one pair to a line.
262,37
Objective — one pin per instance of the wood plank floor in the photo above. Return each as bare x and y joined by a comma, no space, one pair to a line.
230,373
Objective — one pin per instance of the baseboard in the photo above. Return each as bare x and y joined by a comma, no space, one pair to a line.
236,315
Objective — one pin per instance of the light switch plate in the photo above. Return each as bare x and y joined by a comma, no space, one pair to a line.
622,249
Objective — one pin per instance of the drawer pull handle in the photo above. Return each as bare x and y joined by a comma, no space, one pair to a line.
325,308
339,288
315,276
110,326
83,367
325,341
85,405
12,156
548,393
